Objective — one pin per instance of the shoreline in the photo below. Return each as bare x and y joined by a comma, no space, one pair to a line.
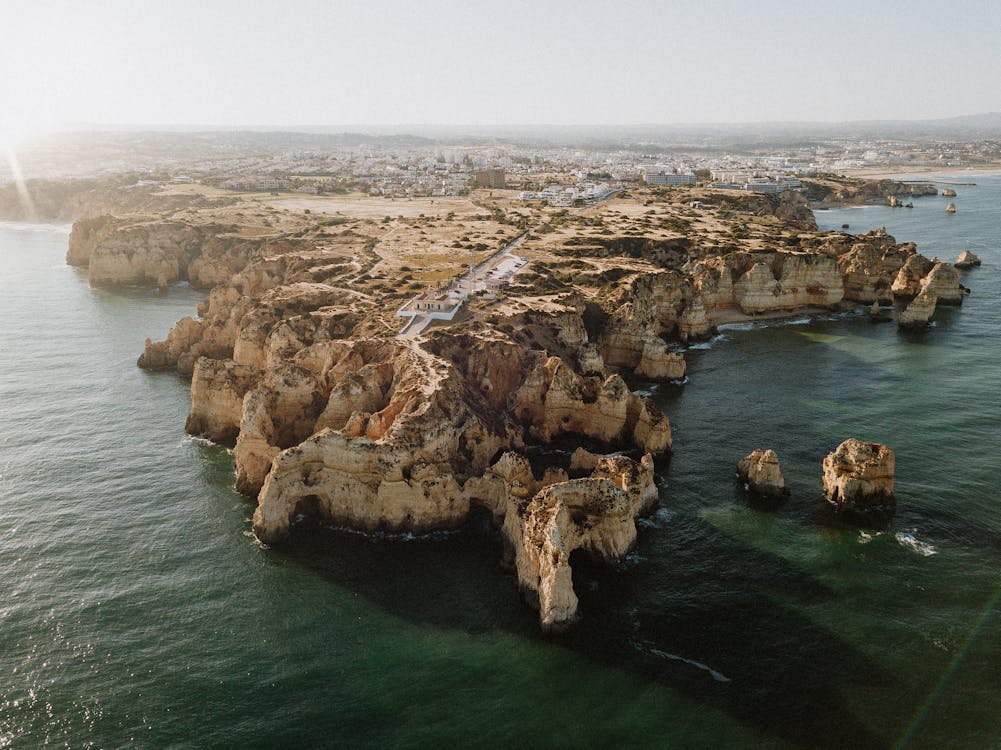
879,173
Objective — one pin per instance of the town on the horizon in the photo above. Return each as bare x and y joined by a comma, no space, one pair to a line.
401,166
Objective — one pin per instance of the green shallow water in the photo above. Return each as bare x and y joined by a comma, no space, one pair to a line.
138,611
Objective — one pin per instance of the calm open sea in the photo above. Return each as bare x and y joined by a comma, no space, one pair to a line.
138,611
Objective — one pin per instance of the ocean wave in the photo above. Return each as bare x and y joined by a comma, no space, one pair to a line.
710,343
649,649
915,545
204,442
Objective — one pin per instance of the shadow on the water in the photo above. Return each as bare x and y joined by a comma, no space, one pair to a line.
692,609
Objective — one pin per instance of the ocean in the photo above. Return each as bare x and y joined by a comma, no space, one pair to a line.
139,611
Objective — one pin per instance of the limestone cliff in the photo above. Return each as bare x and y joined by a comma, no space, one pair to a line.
768,282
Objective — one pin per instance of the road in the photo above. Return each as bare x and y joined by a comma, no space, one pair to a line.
416,325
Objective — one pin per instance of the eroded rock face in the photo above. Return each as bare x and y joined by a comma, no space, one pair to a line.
761,472
859,475
918,312
385,438
907,284
217,391
942,281
870,267
556,400
118,251
769,282
595,514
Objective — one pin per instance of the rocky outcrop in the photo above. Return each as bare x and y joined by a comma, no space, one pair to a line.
694,323
761,472
966,261
948,193
655,306
555,400
769,282
119,252
950,208
942,282
595,514
217,391
907,283
870,267
659,363
143,250
918,312
859,475
378,436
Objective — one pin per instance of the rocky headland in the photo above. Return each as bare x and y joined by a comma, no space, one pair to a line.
294,357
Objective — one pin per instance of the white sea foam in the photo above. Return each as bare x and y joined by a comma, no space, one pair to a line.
914,544
657,520
864,537
708,344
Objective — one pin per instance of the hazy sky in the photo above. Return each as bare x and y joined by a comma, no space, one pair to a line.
300,62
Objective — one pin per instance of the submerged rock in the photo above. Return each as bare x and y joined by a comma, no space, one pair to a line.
761,471
859,475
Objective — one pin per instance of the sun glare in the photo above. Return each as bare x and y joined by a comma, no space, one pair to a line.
11,136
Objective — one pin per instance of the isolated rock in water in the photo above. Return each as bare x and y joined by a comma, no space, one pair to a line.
918,312
967,260
859,475
761,471
951,208
948,192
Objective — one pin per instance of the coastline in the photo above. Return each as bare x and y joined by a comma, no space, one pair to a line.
881,173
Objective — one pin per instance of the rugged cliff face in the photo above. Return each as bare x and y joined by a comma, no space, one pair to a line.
595,514
768,282
294,360
859,475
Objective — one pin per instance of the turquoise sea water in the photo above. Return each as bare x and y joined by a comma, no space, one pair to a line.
138,611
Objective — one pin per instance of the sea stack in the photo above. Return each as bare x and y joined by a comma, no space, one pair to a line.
918,312
966,261
859,475
761,472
